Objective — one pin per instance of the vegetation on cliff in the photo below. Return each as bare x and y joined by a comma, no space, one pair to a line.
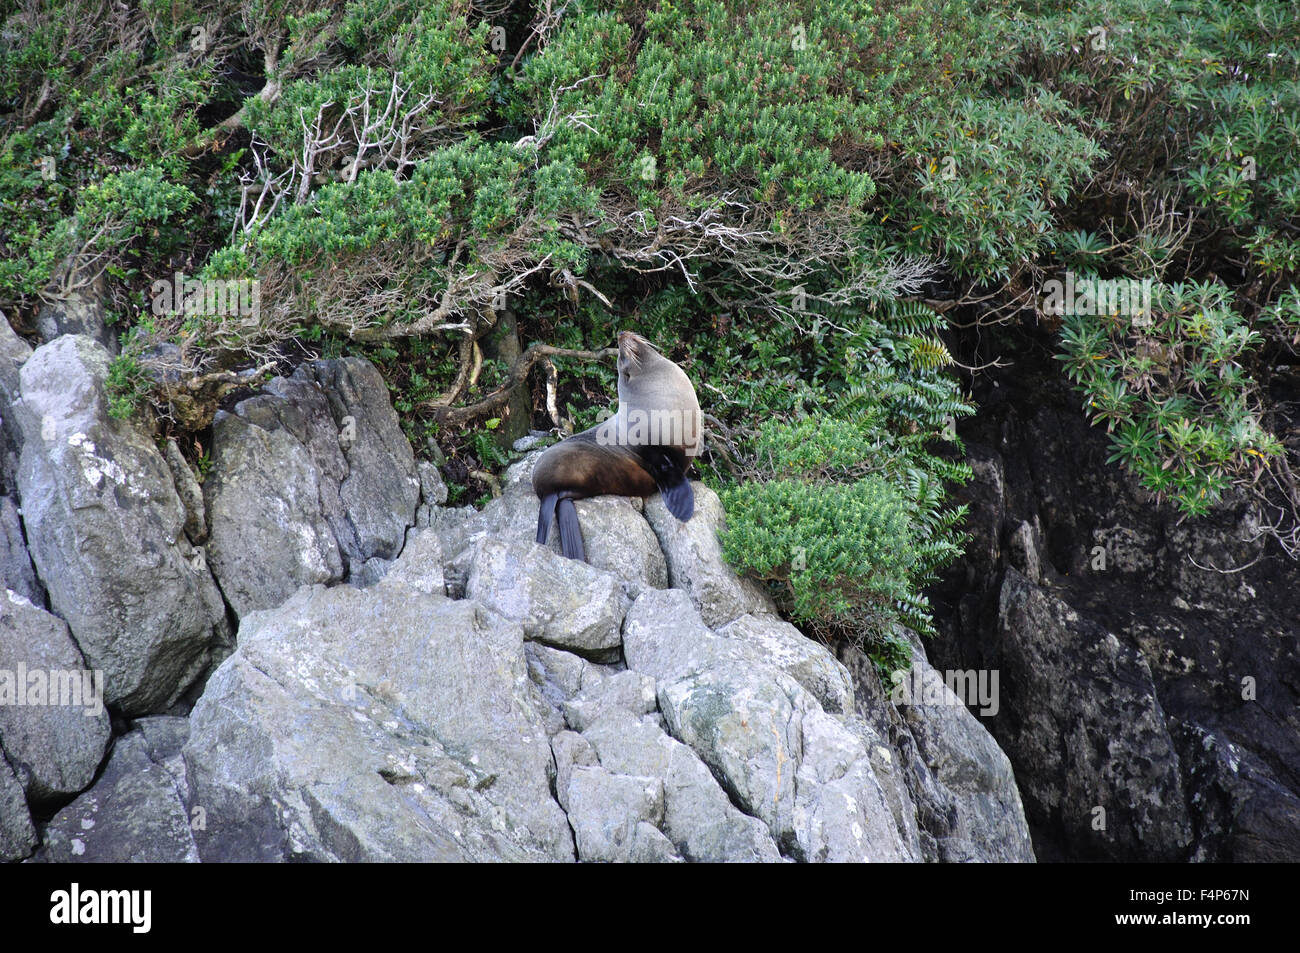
794,201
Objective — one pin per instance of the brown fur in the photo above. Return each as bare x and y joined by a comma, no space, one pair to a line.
578,468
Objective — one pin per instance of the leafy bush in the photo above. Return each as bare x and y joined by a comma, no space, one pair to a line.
843,508
1173,393
841,551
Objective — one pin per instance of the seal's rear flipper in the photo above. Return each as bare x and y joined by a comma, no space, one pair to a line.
570,530
545,513
668,466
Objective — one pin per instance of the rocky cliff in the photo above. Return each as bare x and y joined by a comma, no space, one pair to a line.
311,657
1150,664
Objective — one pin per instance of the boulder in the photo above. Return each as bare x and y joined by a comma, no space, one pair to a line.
105,528
136,812
312,480
558,601
17,832
268,533
376,724
53,726
380,487
695,562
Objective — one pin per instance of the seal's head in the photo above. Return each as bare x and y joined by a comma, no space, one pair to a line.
659,391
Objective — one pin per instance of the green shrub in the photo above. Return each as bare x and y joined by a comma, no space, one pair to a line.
840,552
1173,392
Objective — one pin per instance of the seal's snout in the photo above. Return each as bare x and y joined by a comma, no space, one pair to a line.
629,348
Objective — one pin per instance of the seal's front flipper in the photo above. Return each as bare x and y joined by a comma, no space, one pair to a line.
570,530
680,499
668,466
546,513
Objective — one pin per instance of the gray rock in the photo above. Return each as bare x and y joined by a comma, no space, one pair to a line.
840,810
381,487
571,750
14,352
421,564
376,724
433,490
163,737
559,676
562,602
370,572
310,481
17,833
433,494
630,691
81,312
699,819
987,818
1024,548
16,570
695,560
189,492
560,673
1234,822
615,817
887,765
785,761
135,813
105,530
783,646
949,786
54,741
664,637
780,757
529,441
268,533
747,730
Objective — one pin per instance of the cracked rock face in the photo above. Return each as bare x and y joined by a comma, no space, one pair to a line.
550,709
1149,704
413,682
312,481
422,740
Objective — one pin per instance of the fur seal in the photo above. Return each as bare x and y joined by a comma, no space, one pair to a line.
646,446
